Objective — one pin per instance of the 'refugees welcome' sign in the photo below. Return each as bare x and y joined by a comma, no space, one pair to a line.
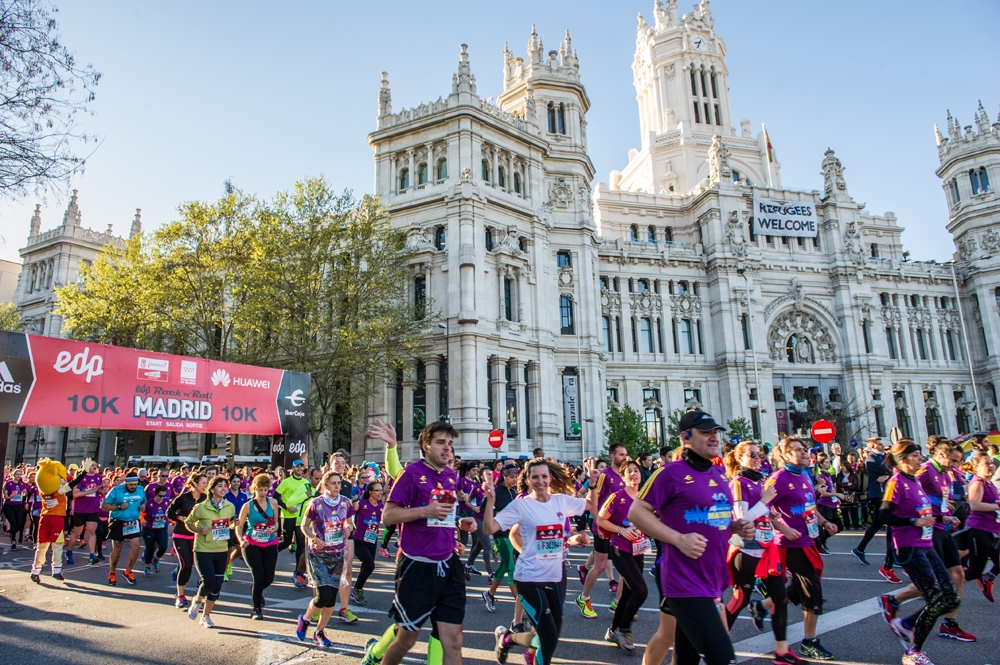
773,218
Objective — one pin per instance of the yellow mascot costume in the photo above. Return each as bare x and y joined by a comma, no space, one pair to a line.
52,485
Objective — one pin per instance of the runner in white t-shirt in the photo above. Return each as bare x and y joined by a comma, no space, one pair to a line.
543,518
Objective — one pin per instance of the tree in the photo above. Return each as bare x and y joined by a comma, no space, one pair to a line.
673,428
42,89
625,425
10,319
741,428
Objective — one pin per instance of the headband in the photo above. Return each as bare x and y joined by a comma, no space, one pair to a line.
908,450
132,479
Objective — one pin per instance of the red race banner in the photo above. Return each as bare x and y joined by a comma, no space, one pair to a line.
64,383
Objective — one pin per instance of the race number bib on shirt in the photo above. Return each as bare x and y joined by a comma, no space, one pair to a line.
130,528
371,534
259,533
641,546
159,522
926,532
812,521
945,495
548,541
333,533
447,497
220,529
763,530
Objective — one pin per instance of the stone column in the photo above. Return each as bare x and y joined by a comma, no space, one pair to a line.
533,392
431,170
518,443
495,175
409,382
432,382
499,382
410,160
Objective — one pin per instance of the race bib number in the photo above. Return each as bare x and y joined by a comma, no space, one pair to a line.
333,533
812,521
159,522
641,546
130,528
220,529
763,530
926,532
371,535
260,534
448,497
549,542
945,495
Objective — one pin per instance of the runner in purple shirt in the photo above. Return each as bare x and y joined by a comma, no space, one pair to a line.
159,479
15,493
154,531
609,482
983,525
368,521
688,506
86,504
907,509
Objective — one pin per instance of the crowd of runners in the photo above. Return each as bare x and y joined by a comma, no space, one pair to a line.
705,522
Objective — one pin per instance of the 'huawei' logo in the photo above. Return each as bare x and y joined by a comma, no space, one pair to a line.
220,376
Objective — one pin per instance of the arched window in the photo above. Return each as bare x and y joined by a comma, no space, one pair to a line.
489,239
633,233
442,169
486,171
980,181
404,179
517,183
502,177
668,234
552,117
561,119
422,174
955,196
984,180
440,238
875,253
974,180
790,345
651,234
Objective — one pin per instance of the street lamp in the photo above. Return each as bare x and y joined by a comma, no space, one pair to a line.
742,272
965,339
39,441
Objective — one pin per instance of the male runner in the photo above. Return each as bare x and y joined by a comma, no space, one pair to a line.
878,473
124,504
609,482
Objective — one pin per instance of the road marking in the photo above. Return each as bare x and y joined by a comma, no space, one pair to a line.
279,649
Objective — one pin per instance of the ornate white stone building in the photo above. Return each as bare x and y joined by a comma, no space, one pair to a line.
555,299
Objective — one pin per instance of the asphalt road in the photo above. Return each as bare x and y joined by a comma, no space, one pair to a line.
83,620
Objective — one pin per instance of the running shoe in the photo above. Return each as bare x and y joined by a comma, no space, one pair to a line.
225,576
613,586
582,570
36,579
758,613
300,581
320,639
384,552
93,560
760,587
955,632
491,602
156,565
986,586
823,550
518,627
501,647
129,577
13,546
257,614
654,571
112,578
887,608
904,634
813,649
615,637
194,610
229,569
181,602
58,576
207,622
916,658
613,606
69,557
787,658
629,642
586,607
301,626
890,575
147,572
358,596
347,616
370,658
473,570
860,556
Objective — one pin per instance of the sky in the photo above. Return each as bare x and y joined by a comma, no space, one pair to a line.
264,94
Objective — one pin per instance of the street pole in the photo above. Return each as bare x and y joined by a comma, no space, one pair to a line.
968,349
579,387
753,340
447,336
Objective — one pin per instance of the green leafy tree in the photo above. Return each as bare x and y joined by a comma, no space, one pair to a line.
742,428
673,428
10,319
625,425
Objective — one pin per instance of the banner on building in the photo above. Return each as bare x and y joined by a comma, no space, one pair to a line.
571,406
511,413
773,218
64,383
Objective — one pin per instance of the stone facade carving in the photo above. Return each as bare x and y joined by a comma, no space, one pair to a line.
812,335
685,306
734,235
853,245
833,174
990,241
417,239
611,302
560,193
967,247
718,161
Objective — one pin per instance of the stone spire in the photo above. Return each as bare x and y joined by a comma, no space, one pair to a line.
672,11
937,135
536,52
72,215
566,53
530,109
136,224
463,80
384,96
36,221
954,131
982,119
660,14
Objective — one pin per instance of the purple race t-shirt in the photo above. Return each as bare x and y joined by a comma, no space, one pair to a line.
617,507
417,486
477,497
911,501
178,483
985,521
691,501
828,501
367,518
85,505
17,491
151,490
328,516
796,504
937,484
608,483
156,513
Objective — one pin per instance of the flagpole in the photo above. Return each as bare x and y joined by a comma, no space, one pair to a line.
767,156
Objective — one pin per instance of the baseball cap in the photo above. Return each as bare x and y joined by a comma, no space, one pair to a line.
297,462
143,473
698,420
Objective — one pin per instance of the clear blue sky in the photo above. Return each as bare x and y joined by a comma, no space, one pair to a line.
267,93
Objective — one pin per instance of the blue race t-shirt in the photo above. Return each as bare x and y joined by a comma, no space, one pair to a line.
119,495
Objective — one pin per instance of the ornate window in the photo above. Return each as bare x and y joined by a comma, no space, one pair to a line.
979,180
442,169
651,234
422,174
440,238
404,180
608,341
517,183
557,118
502,177
646,335
563,259
566,315
633,233
486,171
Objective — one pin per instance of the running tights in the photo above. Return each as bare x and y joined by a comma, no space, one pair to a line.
33,531
928,574
700,633
212,568
261,561
873,528
483,545
100,536
830,515
543,606
185,559
506,566
982,548
15,514
634,594
365,552
154,539
743,570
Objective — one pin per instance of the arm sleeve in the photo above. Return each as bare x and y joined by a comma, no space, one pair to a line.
740,509
392,465
888,516
759,510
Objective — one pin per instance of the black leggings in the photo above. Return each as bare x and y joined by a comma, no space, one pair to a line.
543,605
634,594
482,544
262,561
212,568
15,514
389,530
851,514
830,515
185,557
324,596
100,535
154,538
289,532
365,552
982,548
875,506
928,574
700,633
743,568
33,531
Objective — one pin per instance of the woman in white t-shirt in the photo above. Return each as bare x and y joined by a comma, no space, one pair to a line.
543,517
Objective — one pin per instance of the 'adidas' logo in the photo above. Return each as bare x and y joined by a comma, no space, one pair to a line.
7,383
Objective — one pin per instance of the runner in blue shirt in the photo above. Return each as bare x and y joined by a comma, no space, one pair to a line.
124,503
